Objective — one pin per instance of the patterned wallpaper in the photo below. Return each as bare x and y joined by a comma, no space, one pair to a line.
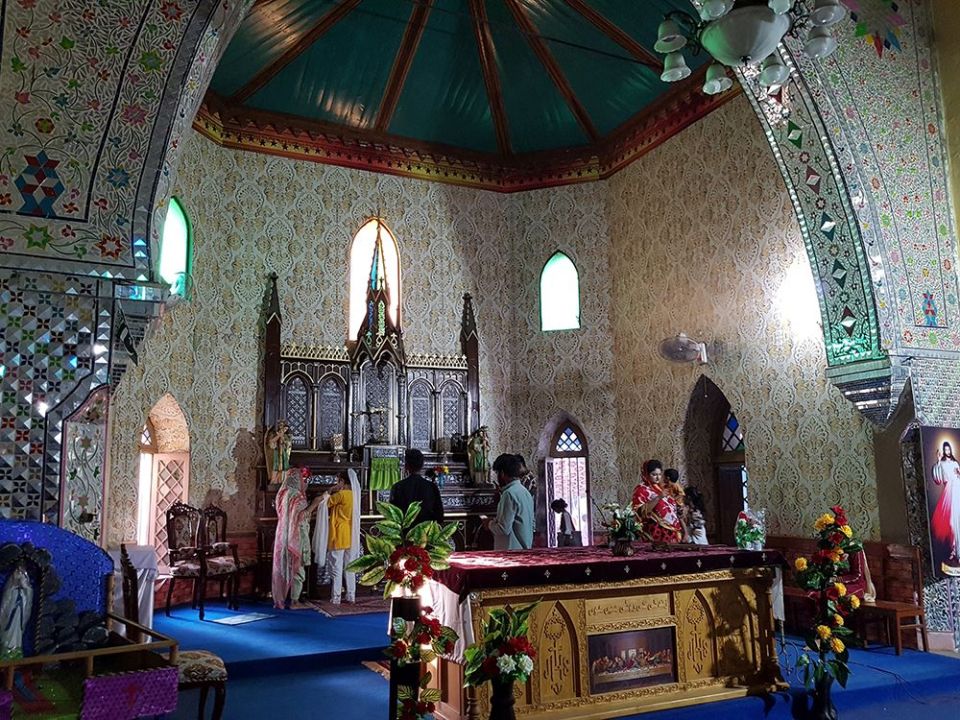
453,240
703,237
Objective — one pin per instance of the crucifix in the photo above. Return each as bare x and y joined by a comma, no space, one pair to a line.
378,436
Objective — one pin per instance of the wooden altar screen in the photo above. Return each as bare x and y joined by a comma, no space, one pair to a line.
347,407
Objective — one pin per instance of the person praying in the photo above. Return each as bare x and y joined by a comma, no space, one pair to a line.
340,527
415,487
513,526
655,507
291,545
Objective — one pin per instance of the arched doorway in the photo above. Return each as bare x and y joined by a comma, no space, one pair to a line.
715,453
164,475
566,474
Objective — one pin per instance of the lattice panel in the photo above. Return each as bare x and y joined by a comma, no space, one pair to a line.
170,486
569,441
567,479
420,417
453,411
331,410
732,435
297,406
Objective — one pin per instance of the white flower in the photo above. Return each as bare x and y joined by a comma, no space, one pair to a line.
526,664
505,664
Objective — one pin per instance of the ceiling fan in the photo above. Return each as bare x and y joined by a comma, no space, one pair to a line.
683,349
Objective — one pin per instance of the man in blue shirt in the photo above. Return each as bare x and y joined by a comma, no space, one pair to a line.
513,526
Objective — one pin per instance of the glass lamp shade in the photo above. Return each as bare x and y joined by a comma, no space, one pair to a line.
773,72
674,68
820,43
713,9
717,80
827,13
744,35
780,6
669,37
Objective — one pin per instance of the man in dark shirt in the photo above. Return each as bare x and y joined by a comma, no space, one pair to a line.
416,487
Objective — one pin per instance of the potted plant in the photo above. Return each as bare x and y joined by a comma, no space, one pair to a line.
750,531
825,656
502,657
405,556
622,527
413,642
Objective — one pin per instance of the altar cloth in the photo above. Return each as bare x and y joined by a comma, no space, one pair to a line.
484,570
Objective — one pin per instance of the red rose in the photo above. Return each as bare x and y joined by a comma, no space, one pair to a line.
489,666
399,649
832,593
410,564
423,638
427,610
448,648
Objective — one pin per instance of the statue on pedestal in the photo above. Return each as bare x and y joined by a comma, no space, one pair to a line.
478,455
16,608
276,451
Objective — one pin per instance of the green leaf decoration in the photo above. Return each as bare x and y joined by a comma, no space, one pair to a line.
379,546
373,576
363,563
430,695
411,515
392,512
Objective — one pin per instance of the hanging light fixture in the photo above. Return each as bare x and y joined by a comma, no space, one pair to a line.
745,33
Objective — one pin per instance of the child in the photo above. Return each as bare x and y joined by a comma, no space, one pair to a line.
566,529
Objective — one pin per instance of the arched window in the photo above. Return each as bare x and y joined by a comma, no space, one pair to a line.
559,294
568,479
176,247
362,266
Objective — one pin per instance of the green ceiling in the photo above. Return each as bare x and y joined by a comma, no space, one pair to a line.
568,72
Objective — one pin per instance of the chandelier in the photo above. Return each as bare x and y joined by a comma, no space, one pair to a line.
742,33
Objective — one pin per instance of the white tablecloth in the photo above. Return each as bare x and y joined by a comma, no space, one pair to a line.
144,559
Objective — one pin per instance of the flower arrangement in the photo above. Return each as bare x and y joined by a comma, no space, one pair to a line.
403,554
751,531
622,522
415,642
820,576
503,655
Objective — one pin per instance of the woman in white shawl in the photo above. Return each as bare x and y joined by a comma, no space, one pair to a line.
15,611
337,535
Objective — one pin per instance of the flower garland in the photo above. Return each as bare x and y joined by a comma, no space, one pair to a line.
820,576
504,654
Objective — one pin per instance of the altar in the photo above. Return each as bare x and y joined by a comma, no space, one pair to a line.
617,635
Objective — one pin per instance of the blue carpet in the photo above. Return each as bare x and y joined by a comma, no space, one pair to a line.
292,641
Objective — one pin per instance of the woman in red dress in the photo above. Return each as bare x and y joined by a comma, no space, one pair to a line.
655,508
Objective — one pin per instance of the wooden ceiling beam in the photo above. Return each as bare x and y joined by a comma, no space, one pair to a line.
402,63
258,81
491,76
615,33
549,63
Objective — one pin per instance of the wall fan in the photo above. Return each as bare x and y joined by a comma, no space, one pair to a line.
682,349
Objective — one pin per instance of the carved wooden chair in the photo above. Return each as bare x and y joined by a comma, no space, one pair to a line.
183,525
901,608
214,536
220,555
196,669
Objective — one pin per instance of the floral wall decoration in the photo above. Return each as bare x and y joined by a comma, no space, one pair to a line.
90,90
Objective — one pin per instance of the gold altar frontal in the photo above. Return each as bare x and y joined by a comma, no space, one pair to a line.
614,648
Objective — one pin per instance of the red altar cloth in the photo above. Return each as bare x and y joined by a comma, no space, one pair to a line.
470,571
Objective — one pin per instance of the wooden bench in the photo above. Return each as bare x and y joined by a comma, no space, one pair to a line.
897,577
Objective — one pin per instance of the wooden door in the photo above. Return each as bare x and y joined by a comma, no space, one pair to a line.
731,491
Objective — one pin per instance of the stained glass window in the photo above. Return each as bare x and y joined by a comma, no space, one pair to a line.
559,294
362,266
569,441
732,435
176,247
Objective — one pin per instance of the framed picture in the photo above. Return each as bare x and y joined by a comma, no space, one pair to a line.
632,659
941,479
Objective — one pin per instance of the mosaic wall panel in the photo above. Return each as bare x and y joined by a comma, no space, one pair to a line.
54,335
729,282
91,90
84,448
880,100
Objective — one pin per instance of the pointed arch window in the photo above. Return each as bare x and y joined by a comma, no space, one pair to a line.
559,294
373,262
176,248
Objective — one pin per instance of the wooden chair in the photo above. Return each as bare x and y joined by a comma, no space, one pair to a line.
214,538
196,669
902,605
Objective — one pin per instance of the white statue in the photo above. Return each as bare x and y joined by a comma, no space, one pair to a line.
15,610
